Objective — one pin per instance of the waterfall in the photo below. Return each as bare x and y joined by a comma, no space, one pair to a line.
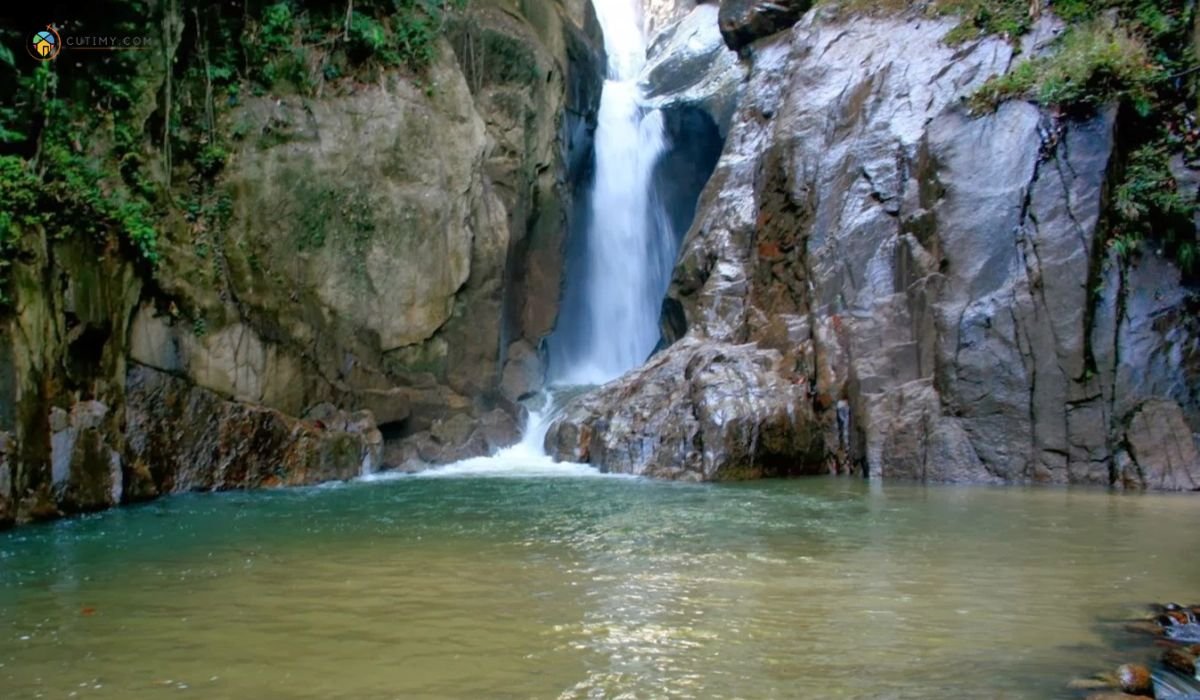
611,324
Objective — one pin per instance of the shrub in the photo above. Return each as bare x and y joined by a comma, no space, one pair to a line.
1148,205
1093,63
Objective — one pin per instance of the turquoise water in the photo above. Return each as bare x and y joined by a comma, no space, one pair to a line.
589,588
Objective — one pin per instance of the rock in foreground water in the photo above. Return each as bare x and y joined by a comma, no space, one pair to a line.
1135,679
697,411
184,438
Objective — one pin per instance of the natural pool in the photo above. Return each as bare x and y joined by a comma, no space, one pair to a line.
587,587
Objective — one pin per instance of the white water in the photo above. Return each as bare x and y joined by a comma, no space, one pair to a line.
526,458
630,248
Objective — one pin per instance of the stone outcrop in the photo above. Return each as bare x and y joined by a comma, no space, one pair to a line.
938,280
381,250
745,21
185,438
689,66
1161,454
699,412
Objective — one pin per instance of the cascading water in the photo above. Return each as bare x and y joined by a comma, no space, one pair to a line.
630,250
629,246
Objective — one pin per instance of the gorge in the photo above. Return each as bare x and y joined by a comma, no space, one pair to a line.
535,304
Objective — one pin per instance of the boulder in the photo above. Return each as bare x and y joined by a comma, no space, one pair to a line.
86,472
386,405
523,371
698,411
1182,659
1134,679
745,21
184,438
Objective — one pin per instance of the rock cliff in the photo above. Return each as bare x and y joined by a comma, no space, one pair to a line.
931,287
358,278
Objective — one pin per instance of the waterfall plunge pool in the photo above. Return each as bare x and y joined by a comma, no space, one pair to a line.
574,587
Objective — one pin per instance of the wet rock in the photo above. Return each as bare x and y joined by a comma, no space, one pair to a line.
403,456
1134,679
86,472
7,511
1188,633
922,264
745,21
689,65
499,429
661,13
1162,452
696,411
453,431
184,438
523,372
386,405
454,439
1182,659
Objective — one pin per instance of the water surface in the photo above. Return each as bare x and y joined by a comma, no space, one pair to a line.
580,587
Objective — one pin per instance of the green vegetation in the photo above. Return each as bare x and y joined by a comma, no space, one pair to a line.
1137,53
1148,205
119,146
1094,63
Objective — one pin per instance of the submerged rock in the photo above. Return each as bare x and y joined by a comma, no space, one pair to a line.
1183,659
696,411
1135,679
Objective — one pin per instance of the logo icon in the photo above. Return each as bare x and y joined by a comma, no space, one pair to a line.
45,44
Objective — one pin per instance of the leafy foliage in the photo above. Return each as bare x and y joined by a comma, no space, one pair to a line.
77,137
1148,205
1133,52
1094,63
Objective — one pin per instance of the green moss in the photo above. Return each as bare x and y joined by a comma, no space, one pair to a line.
331,215
1008,18
490,57
1094,63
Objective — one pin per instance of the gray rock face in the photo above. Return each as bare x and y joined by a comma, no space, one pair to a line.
936,280
84,470
698,411
522,371
690,66
1162,454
